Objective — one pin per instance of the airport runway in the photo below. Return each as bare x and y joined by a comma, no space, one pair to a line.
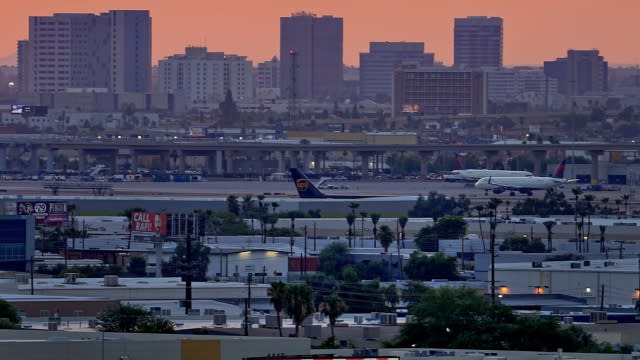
240,187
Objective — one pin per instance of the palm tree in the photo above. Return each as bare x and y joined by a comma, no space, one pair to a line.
618,203
350,220
625,198
274,206
129,214
576,192
363,215
298,304
375,217
233,206
605,202
276,295
332,307
549,225
402,221
589,209
385,236
602,230
353,206
479,209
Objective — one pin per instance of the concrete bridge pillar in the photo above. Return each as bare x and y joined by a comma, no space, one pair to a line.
164,161
281,156
318,157
35,158
50,158
305,161
133,160
538,157
181,161
364,163
425,159
219,170
82,160
595,165
228,157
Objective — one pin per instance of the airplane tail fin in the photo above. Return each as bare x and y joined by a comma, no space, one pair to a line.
458,162
560,170
304,186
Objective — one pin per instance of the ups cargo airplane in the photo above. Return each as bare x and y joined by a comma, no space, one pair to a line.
307,190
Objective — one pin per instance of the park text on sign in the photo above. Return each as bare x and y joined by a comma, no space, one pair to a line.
149,223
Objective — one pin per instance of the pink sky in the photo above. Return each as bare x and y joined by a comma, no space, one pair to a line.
534,30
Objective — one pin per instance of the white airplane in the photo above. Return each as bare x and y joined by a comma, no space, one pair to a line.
473,175
524,185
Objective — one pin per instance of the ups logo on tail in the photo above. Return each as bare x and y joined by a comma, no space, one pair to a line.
302,184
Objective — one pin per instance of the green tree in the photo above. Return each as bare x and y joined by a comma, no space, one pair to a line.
391,296
385,236
298,304
451,227
427,239
332,307
333,259
229,110
464,319
9,318
350,221
276,294
199,261
133,318
137,265
424,267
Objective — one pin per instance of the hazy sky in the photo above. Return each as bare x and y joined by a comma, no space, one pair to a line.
534,30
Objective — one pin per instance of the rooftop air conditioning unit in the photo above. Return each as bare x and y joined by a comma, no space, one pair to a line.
536,264
71,278
111,280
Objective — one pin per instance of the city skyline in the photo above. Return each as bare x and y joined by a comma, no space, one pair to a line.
530,29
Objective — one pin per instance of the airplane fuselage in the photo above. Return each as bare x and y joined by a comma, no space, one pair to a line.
477,174
520,184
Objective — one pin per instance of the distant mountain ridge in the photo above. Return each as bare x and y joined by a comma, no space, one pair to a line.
9,60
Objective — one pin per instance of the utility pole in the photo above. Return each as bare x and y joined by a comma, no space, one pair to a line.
304,265
247,305
292,113
187,277
602,298
314,236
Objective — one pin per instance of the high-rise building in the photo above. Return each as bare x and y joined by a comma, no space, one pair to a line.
376,66
582,71
110,50
204,77
267,76
311,49
438,91
130,37
477,41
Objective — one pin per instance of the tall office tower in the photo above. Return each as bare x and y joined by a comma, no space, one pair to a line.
438,91
477,41
314,45
582,71
267,77
111,50
204,77
376,66
25,77
130,33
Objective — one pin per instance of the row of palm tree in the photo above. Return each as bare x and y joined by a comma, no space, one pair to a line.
296,301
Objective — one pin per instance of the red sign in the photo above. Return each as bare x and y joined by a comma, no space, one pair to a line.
149,223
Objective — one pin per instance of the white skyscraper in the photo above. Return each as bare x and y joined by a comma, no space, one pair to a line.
204,77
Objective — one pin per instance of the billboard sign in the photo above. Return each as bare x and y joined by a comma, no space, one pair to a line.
45,212
411,108
149,223
34,110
